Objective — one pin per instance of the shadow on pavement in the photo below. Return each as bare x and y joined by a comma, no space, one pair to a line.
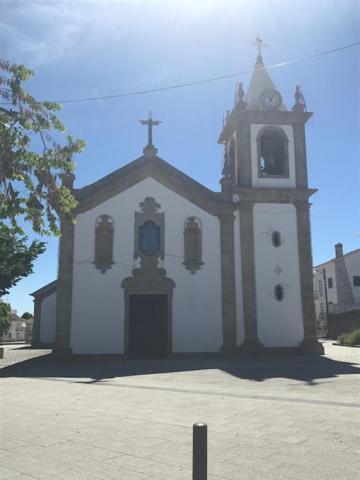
305,368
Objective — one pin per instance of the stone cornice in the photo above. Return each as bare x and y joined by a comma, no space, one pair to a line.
140,169
46,290
251,117
274,195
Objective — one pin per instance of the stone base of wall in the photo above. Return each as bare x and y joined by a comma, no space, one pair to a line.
312,345
251,346
62,351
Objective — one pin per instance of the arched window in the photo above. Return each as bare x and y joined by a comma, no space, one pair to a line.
276,238
279,292
192,244
104,237
273,158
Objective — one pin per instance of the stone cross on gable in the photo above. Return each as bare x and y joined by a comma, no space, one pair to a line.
259,43
150,123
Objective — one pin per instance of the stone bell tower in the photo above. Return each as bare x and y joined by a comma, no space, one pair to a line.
265,172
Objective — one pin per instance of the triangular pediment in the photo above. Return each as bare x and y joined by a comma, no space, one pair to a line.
137,171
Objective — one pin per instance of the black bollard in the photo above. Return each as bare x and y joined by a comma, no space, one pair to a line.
199,451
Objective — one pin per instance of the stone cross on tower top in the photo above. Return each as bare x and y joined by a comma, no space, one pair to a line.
259,43
150,149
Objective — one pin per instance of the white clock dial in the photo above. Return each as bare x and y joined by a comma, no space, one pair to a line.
270,99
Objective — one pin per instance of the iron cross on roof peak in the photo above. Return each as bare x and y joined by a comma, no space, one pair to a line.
150,122
259,43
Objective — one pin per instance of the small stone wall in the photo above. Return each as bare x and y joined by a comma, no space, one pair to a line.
342,322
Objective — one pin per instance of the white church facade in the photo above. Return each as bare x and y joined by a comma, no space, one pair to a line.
157,265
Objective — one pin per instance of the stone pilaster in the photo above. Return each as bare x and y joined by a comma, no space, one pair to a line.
243,154
228,294
251,343
64,287
35,341
310,342
300,156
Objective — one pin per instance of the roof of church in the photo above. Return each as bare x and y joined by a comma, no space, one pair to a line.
141,168
45,290
259,82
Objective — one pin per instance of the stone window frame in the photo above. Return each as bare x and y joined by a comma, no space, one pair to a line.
103,264
330,282
279,292
191,265
273,128
276,238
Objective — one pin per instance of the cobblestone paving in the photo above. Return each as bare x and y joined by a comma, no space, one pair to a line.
270,418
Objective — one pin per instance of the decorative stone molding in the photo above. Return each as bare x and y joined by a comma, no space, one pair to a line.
278,131
192,245
149,222
149,278
104,240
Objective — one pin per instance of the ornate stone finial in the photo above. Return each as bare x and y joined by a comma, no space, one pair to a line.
259,43
240,94
300,105
67,179
226,170
150,149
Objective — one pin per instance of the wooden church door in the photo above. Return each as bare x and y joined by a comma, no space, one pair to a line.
148,326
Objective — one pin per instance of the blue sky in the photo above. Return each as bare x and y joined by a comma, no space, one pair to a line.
97,48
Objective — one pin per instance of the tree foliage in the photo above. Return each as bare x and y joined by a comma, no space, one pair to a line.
33,162
26,315
16,258
5,317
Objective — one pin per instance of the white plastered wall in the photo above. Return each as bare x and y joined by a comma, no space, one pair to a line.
272,182
332,291
98,299
280,323
352,262
48,319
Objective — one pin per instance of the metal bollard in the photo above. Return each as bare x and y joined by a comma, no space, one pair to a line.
199,451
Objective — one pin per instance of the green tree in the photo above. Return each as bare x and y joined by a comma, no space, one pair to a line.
33,162
36,163
26,315
5,317
16,258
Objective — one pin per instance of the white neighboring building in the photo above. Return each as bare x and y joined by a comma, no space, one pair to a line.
16,332
337,284
159,265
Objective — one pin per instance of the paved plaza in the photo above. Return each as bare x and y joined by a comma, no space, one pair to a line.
270,418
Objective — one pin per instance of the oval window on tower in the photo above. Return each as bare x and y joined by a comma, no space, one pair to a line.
279,292
276,238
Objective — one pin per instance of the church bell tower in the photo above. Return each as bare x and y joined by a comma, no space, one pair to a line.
265,176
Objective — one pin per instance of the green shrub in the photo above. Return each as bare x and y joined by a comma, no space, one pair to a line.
350,339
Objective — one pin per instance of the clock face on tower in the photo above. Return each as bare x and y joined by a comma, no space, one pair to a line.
270,99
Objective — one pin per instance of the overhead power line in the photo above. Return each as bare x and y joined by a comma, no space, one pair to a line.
207,80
